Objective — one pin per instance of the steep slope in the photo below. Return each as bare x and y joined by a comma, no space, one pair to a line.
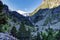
15,16
4,36
47,14
45,18
47,4
13,19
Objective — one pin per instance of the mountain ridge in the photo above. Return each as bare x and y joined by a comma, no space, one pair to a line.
41,20
48,17
46,4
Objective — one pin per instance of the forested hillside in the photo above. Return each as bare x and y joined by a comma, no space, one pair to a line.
42,24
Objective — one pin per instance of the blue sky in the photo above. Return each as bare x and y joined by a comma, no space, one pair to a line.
24,5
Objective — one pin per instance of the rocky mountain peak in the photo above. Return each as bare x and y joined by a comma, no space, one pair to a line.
51,3
47,4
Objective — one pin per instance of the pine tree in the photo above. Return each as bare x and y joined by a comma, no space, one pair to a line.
22,31
2,17
49,34
1,30
13,31
1,6
23,34
38,36
58,35
29,34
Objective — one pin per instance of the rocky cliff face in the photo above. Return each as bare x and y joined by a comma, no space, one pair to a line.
4,36
47,15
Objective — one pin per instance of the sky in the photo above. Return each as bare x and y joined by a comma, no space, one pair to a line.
24,5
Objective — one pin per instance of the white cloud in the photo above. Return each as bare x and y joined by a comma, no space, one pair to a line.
22,13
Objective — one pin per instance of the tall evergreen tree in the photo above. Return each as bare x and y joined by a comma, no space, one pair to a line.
2,17
38,36
13,31
22,31
23,34
1,6
58,35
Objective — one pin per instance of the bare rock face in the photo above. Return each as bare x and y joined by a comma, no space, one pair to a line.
4,36
52,3
47,4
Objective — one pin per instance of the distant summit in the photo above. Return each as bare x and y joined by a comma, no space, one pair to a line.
23,13
47,4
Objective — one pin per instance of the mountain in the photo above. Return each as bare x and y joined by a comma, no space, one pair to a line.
46,4
47,15
48,11
17,16
11,22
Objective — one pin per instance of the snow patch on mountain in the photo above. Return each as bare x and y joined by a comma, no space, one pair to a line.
23,13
